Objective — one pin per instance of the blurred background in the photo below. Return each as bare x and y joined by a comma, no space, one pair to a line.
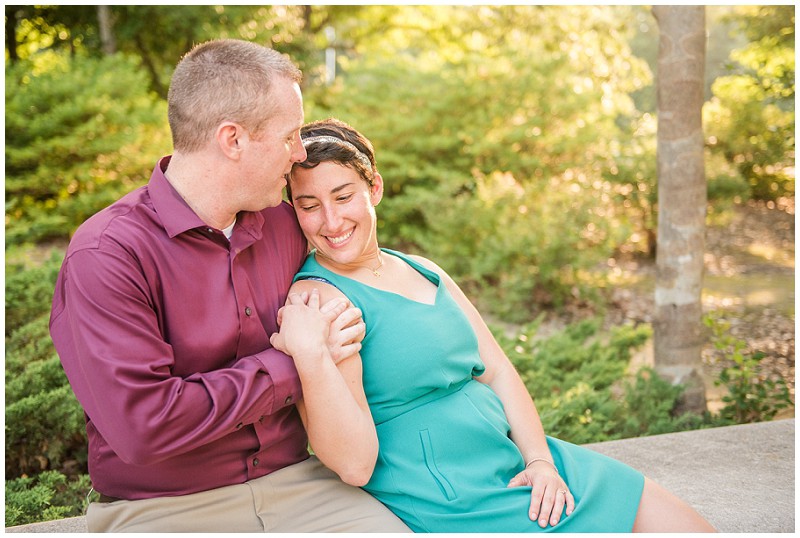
518,146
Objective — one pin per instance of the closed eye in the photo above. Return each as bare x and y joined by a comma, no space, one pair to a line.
344,197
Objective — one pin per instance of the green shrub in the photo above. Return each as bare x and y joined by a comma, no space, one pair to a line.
44,425
79,133
44,430
648,408
29,290
494,159
580,382
47,496
752,396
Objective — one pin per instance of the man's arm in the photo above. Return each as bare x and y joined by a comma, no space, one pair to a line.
105,328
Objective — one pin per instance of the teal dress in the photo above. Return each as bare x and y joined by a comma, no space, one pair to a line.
445,455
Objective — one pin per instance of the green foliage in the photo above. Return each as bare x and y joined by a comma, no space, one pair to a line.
47,496
79,133
29,291
752,397
750,119
579,379
490,144
36,440
724,180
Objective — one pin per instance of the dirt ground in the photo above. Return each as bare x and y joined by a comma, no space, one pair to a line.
749,281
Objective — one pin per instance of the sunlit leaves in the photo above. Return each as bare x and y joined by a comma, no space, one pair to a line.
78,134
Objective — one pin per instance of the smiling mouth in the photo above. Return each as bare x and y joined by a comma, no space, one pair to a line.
340,239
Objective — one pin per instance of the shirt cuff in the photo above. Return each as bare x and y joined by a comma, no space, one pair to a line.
285,380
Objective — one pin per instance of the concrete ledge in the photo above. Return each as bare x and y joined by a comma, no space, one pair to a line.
72,524
740,478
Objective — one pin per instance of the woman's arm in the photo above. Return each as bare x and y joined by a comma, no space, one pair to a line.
334,408
527,431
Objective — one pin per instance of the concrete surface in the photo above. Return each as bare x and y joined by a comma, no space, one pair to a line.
740,478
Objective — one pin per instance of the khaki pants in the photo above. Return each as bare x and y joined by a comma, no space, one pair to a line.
305,497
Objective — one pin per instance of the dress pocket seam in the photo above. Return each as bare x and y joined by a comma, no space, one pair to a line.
427,452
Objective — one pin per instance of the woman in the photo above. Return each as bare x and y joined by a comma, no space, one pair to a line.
460,446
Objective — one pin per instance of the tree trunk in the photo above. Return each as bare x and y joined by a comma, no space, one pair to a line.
11,33
106,24
678,327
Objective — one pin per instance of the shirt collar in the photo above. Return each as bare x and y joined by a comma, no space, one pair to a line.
176,215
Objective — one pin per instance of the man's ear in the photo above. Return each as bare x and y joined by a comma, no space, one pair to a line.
376,190
230,139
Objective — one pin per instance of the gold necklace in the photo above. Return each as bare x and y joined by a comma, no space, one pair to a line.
380,264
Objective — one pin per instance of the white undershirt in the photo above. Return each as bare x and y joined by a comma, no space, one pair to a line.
229,230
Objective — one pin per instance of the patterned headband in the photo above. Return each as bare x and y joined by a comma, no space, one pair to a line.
363,159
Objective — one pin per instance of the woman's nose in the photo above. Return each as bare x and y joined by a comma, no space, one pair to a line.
332,219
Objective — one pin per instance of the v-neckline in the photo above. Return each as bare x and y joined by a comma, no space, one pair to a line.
414,265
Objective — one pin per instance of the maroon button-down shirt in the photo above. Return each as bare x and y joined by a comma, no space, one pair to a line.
162,326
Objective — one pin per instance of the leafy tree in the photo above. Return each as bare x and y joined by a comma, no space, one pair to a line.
79,132
494,140
750,119
159,35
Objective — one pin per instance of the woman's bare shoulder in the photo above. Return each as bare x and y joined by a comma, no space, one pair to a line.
326,290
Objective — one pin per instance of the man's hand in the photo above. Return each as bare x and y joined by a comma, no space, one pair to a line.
305,327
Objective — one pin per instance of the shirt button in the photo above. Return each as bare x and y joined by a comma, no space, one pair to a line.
247,311
288,400
239,426
255,462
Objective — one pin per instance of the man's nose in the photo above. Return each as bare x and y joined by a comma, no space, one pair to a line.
299,151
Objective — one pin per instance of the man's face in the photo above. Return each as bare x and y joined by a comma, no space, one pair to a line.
269,155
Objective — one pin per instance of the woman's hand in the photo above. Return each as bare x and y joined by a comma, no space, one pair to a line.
549,493
299,320
304,326
346,333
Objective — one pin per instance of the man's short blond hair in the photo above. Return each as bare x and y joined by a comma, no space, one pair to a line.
223,80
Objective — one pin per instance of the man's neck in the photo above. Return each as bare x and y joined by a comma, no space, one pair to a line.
204,193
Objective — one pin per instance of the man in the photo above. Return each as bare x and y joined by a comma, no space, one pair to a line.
163,312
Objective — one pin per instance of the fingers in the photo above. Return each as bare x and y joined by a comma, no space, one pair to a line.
347,351
347,318
521,479
334,307
350,331
295,298
276,341
539,509
570,503
346,342
548,502
331,309
313,300
558,506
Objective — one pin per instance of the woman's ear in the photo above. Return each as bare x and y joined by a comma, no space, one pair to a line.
376,190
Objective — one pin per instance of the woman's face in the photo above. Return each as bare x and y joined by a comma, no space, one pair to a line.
336,210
